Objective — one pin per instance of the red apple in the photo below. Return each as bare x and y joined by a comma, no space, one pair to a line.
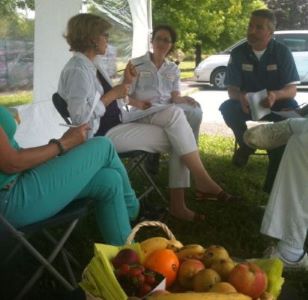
188,269
248,279
125,256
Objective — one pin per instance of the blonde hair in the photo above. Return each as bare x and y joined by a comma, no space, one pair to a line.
83,30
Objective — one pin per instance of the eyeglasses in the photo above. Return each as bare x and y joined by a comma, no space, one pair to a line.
162,40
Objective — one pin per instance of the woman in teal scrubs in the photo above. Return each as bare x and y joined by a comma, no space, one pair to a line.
37,183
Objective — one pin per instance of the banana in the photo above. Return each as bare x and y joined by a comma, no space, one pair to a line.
191,251
199,296
155,243
174,245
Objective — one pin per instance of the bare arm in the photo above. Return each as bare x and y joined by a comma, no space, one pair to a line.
177,98
119,91
236,94
14,161
287,92
141,104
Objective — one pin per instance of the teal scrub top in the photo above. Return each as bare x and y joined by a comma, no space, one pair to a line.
8,124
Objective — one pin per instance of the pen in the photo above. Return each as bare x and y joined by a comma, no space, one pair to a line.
68,125
134,66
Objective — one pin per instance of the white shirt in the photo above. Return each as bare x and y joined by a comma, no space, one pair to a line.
78,86
152,84
155,84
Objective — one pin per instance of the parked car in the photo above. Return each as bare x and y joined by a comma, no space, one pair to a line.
213,68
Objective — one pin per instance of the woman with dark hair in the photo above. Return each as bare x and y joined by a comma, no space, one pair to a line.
158,79
163,131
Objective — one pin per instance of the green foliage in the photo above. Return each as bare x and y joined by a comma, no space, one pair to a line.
8,7
15,27
213,23
290,14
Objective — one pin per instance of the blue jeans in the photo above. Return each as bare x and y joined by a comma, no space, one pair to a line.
93,170
235,118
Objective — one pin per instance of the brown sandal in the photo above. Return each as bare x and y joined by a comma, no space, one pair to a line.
221,196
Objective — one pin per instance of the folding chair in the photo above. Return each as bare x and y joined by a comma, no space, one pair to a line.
69,216
135,158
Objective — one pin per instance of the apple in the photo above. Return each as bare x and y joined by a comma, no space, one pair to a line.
125,256
248,279
188,269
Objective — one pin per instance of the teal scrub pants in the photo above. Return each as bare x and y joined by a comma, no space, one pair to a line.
93,170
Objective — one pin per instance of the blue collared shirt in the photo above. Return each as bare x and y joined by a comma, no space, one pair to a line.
274,70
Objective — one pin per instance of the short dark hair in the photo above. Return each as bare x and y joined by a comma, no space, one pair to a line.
171,31
267,14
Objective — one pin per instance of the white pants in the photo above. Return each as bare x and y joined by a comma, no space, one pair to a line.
194,117
286,214
164,131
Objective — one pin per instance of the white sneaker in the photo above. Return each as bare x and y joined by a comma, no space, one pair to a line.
268,136
302,264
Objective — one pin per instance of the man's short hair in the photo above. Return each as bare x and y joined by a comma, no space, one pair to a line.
267,14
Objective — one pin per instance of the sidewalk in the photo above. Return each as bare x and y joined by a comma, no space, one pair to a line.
210,100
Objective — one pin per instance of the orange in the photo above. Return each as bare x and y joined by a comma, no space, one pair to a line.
165,262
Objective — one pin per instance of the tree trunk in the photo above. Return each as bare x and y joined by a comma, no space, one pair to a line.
198,50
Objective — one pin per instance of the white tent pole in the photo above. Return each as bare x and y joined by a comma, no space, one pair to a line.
139,10
50,48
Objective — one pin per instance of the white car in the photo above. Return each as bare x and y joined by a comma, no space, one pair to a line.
213,68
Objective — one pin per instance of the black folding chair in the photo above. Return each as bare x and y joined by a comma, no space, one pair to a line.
135,158
69,216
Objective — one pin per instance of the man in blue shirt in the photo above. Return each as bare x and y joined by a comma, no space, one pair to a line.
257,64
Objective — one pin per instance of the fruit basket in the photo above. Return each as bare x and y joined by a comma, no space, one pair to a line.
181,270
99,280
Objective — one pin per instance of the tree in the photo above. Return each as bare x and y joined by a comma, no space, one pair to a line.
8,7
290,14
212,24
12,24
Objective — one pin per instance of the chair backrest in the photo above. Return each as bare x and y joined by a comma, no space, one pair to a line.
61,107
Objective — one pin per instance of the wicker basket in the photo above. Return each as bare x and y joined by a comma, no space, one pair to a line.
129,243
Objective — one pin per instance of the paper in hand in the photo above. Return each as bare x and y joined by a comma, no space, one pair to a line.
256,109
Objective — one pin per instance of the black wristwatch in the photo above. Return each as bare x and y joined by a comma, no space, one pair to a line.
59,144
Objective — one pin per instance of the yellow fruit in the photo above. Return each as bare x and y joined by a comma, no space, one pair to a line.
191,251
214,253
223,267
223,287
152,244
205,279
174,245
200,296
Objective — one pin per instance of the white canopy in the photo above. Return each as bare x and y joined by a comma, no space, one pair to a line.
40,120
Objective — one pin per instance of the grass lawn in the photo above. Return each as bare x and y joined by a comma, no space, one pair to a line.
16,98
235,227
187,69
